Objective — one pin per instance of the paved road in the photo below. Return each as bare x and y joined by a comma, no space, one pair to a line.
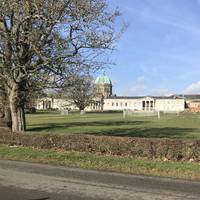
25,181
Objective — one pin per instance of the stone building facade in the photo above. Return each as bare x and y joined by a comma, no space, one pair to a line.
54,103
192,103
165,104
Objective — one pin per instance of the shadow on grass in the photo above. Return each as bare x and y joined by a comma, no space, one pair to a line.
166,132
117,128
49,126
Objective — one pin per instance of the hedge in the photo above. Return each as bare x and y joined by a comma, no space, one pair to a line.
151,148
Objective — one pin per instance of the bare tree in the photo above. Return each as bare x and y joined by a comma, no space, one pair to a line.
39,39
79,89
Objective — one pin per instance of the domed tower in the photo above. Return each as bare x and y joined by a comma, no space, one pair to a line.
103,86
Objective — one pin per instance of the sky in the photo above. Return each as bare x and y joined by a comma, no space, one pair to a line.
159,53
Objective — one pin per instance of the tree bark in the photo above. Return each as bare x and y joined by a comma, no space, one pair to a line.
17,110
7,117
18,118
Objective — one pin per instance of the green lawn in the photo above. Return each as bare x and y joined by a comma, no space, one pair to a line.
171,125
108,163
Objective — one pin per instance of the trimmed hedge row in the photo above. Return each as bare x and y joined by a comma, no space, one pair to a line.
166,149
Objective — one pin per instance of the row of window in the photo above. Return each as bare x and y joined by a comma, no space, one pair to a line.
119,104
144,104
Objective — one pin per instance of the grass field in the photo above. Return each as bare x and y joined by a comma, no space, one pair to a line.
108,163
170,125
111,124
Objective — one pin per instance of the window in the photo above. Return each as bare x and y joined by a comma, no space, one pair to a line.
121,104
126,104
112,104
116,104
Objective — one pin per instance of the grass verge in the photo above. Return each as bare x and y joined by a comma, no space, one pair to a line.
181,170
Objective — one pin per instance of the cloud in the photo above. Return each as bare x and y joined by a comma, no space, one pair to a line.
136,90
168,17
141,87
194,88
169,38
178,24
140,79
138,87
160,92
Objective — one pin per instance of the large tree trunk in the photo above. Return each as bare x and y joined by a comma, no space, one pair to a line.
17,110
18,118
7,117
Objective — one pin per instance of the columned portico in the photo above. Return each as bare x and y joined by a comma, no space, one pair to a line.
47,105
148,104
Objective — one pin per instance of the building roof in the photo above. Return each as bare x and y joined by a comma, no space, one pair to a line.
195,101
103,79
142,97
188,96
192,96
182,96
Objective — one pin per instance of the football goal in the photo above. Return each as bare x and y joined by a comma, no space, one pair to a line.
134,113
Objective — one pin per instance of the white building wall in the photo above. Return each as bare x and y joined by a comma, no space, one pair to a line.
117,104
121,104
166,105
60,104
170,105
43,103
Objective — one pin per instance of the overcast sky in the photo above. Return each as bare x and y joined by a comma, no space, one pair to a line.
159,54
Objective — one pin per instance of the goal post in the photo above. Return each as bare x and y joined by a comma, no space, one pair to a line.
131,113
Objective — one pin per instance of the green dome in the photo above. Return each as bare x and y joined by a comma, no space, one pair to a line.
103,79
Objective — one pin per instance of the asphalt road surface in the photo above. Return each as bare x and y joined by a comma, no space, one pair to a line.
26,181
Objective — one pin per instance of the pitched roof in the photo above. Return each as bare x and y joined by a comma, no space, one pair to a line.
192,96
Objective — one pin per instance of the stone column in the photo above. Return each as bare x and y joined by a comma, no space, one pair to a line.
152,105
147,106
143,105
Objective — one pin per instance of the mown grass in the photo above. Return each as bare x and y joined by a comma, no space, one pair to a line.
107,163
170,125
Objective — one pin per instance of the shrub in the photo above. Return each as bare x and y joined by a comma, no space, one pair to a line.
167,149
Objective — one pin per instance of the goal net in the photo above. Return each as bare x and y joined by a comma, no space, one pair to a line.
129,113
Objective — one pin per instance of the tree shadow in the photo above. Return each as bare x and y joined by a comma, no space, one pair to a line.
165,132
51,126
118,128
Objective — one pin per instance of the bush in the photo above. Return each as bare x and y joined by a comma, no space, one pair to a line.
166,149
31,110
